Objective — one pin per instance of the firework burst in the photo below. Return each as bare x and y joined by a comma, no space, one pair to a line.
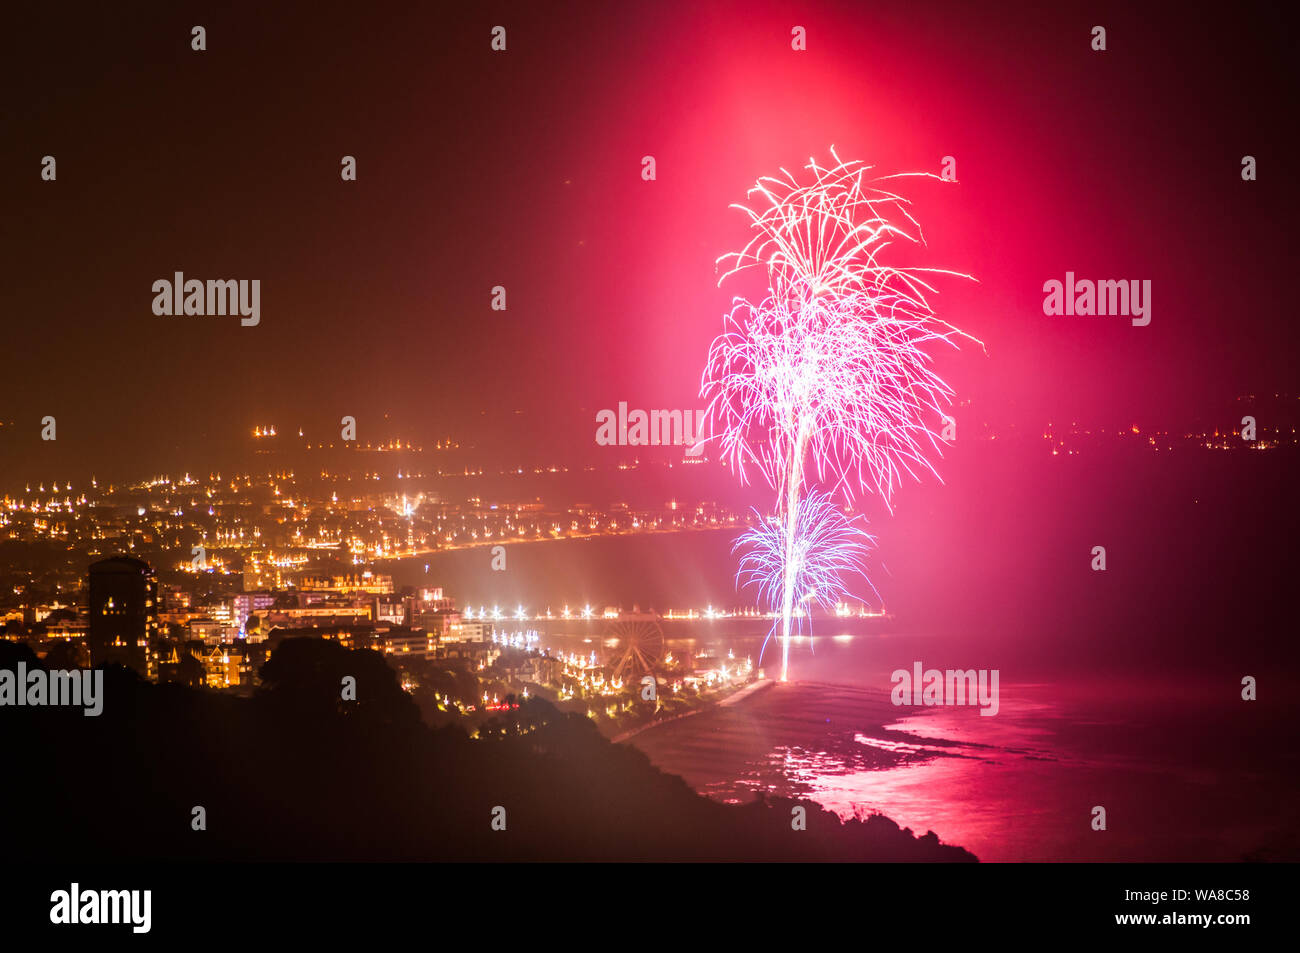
828,377
815,553
840,386
826,237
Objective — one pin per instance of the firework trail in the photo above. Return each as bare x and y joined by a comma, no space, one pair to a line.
831,367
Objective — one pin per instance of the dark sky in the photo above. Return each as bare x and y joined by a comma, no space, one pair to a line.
522,169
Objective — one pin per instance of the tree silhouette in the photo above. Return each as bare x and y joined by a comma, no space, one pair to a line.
66,654
304,678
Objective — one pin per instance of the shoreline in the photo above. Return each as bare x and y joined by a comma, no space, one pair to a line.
732,698
533,540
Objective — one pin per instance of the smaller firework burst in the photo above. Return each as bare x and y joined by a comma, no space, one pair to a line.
803,562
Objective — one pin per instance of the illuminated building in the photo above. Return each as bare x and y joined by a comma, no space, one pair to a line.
175,598
210,631
390,609
370,583
251,603
404,642
226,665
347,635
123,612
469,632
430,611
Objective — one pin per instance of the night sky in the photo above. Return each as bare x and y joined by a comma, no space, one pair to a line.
522,169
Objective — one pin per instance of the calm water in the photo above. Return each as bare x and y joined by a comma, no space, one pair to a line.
1170,766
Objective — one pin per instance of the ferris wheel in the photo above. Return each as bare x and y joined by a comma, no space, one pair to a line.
640,647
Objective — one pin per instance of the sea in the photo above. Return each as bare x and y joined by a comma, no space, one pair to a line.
1101,748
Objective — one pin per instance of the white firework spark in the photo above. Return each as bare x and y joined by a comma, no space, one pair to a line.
831,367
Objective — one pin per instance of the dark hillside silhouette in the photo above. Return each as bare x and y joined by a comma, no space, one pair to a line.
296,773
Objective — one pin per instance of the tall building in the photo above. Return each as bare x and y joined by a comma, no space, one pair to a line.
123,612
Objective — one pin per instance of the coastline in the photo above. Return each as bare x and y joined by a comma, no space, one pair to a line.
731,698
1014,788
